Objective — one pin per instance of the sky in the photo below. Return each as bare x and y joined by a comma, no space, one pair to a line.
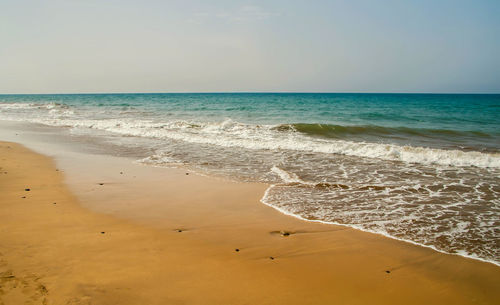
93,46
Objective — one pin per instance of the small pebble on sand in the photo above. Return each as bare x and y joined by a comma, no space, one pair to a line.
285,233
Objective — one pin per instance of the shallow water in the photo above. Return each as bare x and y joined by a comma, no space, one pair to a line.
422,168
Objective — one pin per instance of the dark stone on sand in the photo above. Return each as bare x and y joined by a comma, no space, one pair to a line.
387,271
101,183
285,233
179,230
27,190
237,250
121,173
23,197
54,203
271,258
187,174
103,232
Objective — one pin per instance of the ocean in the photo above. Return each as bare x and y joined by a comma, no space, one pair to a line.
423,168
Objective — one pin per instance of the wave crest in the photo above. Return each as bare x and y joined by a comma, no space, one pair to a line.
343,131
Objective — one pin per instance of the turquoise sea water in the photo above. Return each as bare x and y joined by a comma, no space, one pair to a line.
459,119
423,168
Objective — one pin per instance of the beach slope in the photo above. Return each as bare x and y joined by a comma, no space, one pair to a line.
54,251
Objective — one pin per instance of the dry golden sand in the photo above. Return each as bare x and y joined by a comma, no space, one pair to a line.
54,251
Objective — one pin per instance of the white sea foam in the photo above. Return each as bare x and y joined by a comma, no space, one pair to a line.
288,177
266,201
229,133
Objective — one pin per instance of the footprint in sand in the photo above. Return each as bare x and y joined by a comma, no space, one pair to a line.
24,288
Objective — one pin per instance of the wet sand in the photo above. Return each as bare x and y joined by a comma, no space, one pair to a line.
108,233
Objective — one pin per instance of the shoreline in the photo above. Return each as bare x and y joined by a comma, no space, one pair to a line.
314,264
467,256
37,140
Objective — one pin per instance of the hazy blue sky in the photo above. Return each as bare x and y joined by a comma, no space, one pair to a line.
57,46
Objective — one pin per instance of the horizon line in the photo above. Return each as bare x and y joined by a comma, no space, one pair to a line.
255,92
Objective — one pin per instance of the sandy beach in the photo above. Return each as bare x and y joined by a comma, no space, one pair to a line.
80,239
249,152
